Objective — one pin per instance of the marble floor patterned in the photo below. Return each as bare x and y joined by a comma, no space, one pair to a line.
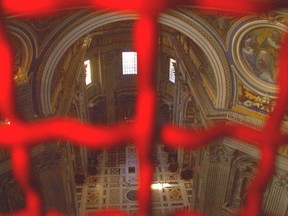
115,185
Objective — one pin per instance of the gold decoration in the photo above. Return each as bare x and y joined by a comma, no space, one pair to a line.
21,76
253,101
273,18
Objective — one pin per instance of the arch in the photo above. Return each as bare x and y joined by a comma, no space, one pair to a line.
28,40
191,30
206,42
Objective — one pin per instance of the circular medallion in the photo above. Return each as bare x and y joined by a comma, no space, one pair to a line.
256,48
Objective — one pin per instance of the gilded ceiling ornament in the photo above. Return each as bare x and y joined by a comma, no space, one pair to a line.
273,18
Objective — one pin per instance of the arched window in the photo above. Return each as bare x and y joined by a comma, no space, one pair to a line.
88,78
172,70
129,63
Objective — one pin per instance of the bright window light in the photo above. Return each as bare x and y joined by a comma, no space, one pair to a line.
88,79
172,70
159,186
129,63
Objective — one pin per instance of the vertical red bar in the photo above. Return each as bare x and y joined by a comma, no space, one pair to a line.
6,81
146,102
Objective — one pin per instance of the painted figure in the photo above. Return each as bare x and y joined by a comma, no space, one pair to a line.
261,54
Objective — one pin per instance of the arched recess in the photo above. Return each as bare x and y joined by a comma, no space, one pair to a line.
185,26
243,170
189,27
29,47
24,45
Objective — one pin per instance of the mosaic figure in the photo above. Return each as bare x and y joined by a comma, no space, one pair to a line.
260,51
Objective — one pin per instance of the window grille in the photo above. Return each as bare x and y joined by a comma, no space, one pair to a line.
172,70
88,78
18,137
129,63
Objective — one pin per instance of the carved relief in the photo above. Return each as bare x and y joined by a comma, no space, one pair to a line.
220,153
281,180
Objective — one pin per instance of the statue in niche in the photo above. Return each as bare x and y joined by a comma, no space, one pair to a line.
79,97
242,179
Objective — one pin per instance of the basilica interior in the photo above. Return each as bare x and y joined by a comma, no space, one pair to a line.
211,66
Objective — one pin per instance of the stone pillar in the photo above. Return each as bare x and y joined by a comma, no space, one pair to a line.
56,180
277,195
108,66
214,174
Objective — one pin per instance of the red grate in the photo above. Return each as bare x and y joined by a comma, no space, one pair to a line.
19,136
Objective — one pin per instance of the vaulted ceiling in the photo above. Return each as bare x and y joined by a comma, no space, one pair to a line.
229,64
